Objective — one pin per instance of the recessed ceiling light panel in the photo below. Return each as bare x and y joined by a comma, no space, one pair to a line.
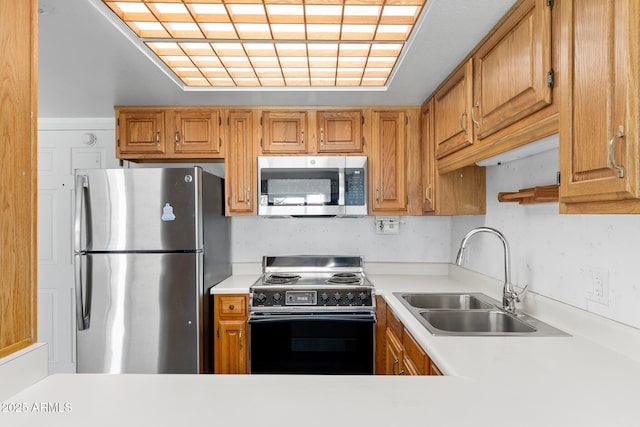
253,43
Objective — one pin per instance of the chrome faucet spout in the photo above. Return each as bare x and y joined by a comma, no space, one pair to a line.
509,296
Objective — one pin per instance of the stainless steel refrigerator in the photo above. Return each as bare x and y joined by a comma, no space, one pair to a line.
148,245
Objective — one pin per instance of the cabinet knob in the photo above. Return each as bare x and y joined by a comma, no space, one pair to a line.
231,306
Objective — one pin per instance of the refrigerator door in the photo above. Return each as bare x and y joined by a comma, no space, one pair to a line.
141,313
154,209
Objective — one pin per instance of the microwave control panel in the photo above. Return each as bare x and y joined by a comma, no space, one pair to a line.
355,188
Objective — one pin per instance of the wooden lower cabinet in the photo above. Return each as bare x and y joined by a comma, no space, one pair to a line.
397,352
231,355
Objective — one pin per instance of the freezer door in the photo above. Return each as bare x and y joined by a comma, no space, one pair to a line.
140,313
146,209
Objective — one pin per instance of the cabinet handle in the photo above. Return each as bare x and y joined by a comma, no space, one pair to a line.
473,118
302,137
240,338
612,151
158,137
427,193
462,116
321,136
401,372
248,196
393,367
378,196
177,137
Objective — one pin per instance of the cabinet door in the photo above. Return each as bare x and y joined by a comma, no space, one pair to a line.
240,163
340,131
284,132
599,119
198,132
388,162
394,354
511,68
231,347
427,144
452,109
140,132
409,368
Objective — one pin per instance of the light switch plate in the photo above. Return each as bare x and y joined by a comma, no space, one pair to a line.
387,225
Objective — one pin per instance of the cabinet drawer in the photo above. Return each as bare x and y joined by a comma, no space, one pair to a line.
394,323
232,305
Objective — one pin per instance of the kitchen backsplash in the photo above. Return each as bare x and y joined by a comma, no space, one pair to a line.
419,239
569,258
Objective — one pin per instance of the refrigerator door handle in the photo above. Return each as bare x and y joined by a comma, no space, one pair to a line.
83,294
82,185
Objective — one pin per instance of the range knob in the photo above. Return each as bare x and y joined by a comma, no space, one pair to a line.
261,298
350,297
277,297
337,296
324,297
362,296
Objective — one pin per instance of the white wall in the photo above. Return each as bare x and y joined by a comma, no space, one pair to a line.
421,239
555,254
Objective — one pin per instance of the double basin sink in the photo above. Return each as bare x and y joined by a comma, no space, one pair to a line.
471,314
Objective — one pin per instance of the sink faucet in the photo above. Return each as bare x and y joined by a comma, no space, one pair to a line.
509,295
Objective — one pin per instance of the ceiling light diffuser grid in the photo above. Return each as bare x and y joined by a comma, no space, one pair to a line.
246,43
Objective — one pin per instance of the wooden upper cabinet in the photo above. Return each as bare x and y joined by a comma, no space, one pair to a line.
511,69
339,131
198,132
388,161
140,132
452,112
168,133
461,192
283,132
599,126
428,160
240,165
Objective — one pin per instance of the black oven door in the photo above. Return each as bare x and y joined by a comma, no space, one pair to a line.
330,344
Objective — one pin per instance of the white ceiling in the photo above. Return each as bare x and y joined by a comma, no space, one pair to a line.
86,65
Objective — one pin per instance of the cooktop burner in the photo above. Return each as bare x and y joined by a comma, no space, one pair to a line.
281,279
345,278
312,282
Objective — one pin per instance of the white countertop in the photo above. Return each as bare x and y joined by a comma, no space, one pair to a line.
491,381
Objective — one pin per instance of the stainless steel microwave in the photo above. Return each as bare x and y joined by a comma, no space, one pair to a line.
312,185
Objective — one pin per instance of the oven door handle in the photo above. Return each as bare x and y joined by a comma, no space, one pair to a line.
271,318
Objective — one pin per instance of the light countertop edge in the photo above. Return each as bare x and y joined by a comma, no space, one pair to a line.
493,381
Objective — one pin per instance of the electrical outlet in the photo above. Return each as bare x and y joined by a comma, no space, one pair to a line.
387,225
597,282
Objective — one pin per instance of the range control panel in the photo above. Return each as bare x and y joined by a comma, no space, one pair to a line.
329,297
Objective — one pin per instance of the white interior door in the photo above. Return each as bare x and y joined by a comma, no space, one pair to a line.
63,146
